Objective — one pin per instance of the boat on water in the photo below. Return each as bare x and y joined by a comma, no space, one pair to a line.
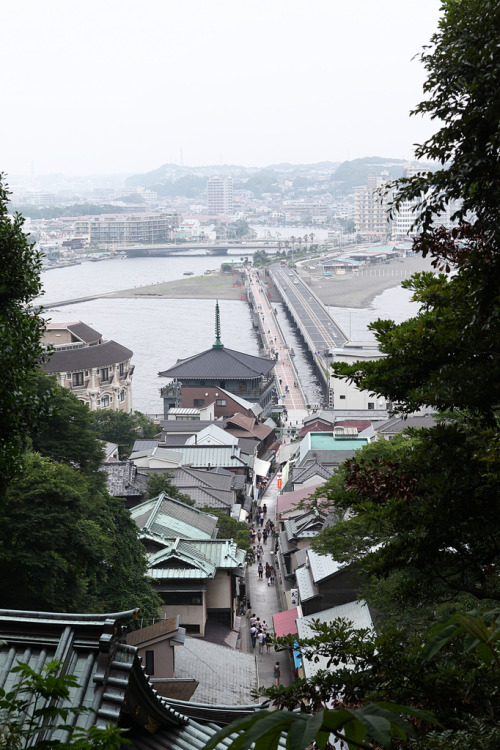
188,273
216,250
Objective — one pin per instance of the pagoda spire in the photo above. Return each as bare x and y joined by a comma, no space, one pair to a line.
218,343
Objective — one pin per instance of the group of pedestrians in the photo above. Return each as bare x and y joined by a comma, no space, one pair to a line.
261,637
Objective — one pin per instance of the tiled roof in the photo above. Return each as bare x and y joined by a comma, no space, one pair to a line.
310,469
84,332
323,566
288,500
284,622
398,424
93,648
305,584
123,479
101,355
170,519
217,364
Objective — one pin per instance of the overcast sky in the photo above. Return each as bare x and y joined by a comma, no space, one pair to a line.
123,86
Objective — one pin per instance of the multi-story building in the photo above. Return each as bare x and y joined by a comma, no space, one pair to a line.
220,195
113,230
97,371
371,219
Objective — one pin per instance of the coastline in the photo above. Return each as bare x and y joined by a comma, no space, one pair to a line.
349,290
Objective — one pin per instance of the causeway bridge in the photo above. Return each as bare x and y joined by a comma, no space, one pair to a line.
319,330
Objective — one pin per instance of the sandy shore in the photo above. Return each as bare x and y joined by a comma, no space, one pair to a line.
214,286
359,290
349,290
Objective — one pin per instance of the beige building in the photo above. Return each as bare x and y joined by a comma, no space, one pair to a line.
97,371
114,230
371,219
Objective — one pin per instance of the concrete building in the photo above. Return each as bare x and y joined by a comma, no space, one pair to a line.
371,220
114,230
97,371
220,195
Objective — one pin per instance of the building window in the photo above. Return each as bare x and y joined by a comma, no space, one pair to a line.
105,402
243,386
222,383
371,404
341,396
68,376
191,628
77,379
177,598
122,368
104,374
199,402
122,396
221,402
150,662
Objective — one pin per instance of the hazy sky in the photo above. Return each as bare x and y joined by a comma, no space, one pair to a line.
127,85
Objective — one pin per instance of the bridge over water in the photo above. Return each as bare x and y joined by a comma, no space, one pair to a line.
319,330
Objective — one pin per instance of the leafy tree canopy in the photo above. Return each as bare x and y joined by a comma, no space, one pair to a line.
66,547
122,428
21,409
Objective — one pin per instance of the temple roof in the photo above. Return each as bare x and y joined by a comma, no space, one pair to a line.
220,364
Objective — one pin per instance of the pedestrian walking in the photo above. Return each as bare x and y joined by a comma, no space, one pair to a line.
259,535
269,640
252,619
261,637
253,635
261,570
264,509
277,673
268,573
272,577
264,536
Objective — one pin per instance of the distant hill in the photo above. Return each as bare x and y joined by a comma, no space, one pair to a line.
351,174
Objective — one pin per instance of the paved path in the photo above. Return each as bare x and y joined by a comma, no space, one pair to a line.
264,602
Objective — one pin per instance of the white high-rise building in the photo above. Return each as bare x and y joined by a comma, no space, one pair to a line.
220,195
371,219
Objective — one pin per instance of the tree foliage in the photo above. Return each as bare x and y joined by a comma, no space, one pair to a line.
20,331
159,482
122,428
67,546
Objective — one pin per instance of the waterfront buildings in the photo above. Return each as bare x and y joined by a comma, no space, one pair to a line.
97,371
220,195
114,230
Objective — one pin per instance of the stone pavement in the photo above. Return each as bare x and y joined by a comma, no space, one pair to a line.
264,602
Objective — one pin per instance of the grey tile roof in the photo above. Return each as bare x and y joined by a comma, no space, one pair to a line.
143,445
84,332
309,469
91,647
323,566
189,425
305,584
398,424
230,683
123,479
101,355
217,364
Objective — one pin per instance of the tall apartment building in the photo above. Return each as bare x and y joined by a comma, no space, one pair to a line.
371,218
220,195
115,230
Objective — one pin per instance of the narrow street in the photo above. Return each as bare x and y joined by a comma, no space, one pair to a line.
264,603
